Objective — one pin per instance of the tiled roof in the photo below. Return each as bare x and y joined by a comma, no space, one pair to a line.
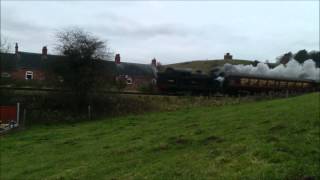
28,60
8,62
135,69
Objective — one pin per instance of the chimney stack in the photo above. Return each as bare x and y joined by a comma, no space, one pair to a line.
154,62
44,51
117,59
16,48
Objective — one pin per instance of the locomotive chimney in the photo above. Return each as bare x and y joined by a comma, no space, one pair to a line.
227,56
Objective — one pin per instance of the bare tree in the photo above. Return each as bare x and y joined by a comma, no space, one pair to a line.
5,47
83,68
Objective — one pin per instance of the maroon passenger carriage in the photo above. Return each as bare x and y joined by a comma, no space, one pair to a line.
236,83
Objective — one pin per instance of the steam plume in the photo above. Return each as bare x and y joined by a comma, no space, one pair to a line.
292,69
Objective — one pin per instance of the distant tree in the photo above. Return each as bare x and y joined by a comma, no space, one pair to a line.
83,70
315,56
301,56
285,58
4,45
160,67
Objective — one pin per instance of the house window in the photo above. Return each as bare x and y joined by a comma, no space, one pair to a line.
129,80
29,75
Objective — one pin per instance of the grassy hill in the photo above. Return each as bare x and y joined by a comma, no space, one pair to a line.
207,65
276,139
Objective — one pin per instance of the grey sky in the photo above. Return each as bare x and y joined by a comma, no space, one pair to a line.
170,31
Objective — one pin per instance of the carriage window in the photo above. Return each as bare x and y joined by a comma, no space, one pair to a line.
244,81
306,85
253,81
271,83
291,84
29,75
283,84
298,84
262,83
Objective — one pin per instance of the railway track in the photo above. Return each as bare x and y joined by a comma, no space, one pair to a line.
40,90
45,90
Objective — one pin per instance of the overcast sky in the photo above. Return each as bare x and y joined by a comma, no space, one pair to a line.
171,32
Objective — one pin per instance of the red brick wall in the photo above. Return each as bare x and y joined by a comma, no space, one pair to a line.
20,74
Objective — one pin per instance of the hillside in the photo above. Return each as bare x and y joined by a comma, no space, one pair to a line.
276,139
207,65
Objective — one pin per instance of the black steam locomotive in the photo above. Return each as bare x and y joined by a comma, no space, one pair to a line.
180,81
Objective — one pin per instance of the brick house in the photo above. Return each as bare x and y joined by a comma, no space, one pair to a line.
34,66
135,74
25,65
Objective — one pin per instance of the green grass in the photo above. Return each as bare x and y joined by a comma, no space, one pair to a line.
277,139
207,65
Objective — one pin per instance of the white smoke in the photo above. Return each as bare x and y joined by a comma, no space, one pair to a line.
292,69
154,71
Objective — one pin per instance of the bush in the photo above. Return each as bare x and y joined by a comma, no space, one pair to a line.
147,88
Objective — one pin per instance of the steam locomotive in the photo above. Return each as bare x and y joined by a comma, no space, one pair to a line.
181,81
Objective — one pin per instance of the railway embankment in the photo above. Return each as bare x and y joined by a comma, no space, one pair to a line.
273,139
51,106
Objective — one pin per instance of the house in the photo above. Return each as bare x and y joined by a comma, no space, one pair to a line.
26,65
134,74
34,66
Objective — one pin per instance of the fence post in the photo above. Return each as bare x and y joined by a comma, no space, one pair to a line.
89,112
18,113
24,116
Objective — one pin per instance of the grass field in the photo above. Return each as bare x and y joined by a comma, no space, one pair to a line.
276,139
